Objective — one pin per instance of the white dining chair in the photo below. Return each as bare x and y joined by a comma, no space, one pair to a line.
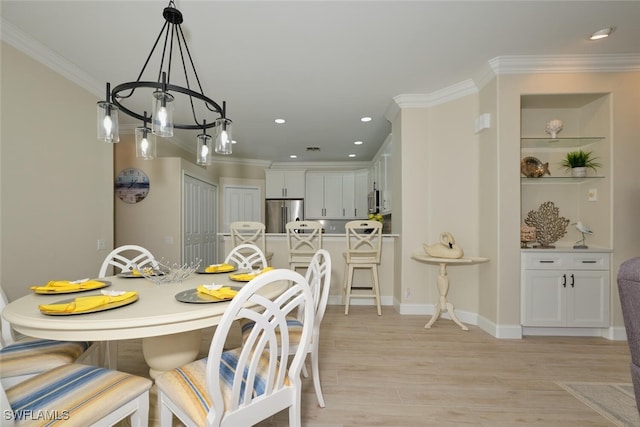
318,276
364,245
246,385
79,395
126,258
304,239
246,257
250,232
24,357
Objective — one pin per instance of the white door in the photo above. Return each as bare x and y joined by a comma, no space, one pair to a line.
241,204
199,221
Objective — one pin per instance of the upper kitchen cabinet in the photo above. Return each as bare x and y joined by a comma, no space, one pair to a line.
381,175
585,120
284,184
335,195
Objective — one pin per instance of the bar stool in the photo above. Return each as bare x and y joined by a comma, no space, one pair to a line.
304,239
364,243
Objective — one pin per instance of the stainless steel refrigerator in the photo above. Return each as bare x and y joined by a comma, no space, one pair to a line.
279,212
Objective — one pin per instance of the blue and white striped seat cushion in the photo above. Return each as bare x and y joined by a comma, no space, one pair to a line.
187,386
31,355
294,327
78,395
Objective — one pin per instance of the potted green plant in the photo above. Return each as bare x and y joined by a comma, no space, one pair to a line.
579,161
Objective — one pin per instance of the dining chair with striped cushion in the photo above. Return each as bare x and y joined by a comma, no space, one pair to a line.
77,395
246,385
318,276
23,357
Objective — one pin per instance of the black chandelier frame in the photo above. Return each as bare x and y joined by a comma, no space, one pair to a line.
171,30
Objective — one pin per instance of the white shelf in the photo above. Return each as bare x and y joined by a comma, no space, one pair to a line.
566,142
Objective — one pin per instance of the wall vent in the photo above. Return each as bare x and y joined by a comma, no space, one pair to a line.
313,148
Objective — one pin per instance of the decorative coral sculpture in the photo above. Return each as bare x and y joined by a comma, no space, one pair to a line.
550,227
553,127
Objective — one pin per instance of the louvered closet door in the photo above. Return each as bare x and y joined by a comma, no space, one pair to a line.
199,221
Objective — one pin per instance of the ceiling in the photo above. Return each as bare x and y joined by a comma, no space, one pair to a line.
320,65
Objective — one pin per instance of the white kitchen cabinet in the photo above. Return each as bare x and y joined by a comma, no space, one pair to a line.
565,289
284,184
361,192
330,195
382,175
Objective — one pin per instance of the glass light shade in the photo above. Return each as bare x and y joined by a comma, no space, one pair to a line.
108,127
203,153
145,143
223,136
162,114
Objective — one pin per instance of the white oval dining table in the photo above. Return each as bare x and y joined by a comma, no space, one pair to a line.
170,330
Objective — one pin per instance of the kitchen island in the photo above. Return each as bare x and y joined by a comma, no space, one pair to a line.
336,245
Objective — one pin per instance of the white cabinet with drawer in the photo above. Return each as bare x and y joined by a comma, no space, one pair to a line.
565,289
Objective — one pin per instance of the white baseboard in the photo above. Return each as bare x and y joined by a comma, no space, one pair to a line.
614,333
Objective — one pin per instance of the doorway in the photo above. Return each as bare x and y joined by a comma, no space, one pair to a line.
241,204
200,219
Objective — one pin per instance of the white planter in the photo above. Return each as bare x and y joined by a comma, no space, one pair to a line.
578,172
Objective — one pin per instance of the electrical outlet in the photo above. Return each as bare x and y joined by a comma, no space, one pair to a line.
407,293
592,195
102,244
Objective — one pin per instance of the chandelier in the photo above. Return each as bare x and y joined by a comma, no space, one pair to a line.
163,96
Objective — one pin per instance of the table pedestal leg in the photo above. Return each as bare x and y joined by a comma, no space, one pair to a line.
167,352
443,289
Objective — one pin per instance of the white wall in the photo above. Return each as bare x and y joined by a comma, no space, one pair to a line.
56,178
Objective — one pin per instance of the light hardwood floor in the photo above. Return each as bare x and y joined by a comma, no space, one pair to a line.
389,371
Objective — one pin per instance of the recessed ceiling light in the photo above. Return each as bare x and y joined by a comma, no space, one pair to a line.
280,121
357,143
602,34
293,156
233,141
365,119
352,155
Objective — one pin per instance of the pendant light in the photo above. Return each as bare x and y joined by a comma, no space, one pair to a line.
204,143
145,141
162,112
108,127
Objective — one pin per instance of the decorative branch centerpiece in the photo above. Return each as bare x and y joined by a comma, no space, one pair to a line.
550,226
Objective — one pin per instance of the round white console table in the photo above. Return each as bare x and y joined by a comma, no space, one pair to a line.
443,283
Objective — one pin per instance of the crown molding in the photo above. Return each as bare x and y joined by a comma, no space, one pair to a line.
319,165
534,64
427,100
23,42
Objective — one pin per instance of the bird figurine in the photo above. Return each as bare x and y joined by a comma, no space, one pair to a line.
584,230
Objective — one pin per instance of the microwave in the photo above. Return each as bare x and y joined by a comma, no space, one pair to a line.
373,201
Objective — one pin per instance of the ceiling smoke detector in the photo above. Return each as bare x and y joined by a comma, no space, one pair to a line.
313,148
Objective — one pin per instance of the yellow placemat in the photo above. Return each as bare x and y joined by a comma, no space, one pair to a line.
84,304
224,292
219,268
246,277
64,286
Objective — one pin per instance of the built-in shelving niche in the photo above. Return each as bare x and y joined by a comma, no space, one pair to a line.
586,126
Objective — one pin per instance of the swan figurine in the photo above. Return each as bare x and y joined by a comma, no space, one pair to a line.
447,247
